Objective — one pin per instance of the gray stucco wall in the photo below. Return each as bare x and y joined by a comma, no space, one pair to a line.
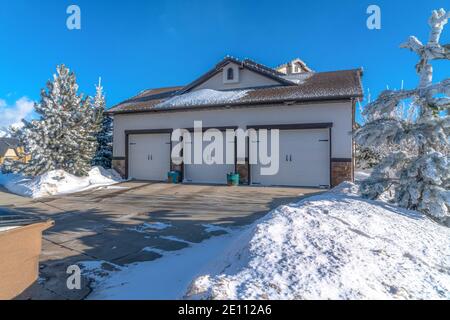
339,113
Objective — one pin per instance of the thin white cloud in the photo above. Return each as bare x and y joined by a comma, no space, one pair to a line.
12,115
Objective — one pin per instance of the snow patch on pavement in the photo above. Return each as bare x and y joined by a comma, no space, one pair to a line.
334,246
98,270
58,182
214,228
113,188
164,278
154,250
142,228
173,238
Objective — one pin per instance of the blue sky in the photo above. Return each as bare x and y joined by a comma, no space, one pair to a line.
136,44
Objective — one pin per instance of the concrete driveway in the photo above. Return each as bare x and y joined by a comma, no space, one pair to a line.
115,224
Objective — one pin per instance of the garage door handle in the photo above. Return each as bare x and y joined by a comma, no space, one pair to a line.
290,158
287,158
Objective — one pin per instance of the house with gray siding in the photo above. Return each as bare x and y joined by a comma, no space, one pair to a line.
313,111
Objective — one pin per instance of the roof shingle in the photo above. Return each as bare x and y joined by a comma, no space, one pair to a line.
333,85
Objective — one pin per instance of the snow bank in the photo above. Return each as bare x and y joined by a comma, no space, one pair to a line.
58,182
203,97
165,278
334,246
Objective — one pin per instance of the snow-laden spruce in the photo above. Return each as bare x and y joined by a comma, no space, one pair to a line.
367,157
416,167
337,245
103,155
64,136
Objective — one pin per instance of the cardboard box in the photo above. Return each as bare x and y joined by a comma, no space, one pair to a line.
20,248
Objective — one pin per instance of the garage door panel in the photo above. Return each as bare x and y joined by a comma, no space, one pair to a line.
208,173
304,160
149,156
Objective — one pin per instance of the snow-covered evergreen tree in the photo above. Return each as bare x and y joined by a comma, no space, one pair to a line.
366,158
64,137
103,156
417,170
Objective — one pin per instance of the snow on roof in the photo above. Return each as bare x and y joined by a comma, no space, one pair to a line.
202,97
298,78
334,85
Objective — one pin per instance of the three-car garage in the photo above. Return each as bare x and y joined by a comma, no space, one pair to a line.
313,111
302,157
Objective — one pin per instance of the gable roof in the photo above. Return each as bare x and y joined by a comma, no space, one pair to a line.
335,85
6,144
248,64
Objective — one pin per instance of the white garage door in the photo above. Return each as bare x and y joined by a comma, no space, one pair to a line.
208,173
149,156
304,160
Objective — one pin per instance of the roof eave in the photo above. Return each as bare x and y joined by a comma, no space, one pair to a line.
244,104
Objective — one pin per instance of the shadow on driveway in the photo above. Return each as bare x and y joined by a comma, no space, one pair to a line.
115,225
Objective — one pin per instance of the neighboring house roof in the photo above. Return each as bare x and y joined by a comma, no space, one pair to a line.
6,144
307,86
296,60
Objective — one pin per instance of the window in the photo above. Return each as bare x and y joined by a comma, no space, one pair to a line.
230,74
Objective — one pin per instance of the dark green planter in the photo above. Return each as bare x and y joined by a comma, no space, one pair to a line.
233,179
174,177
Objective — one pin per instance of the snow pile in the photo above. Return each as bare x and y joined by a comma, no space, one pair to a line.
165,278
334,246
202,97
58,182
